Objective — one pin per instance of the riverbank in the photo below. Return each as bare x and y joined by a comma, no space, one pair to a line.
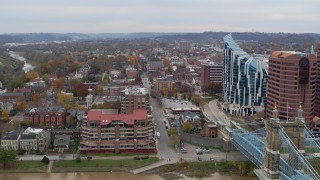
203,169
99,165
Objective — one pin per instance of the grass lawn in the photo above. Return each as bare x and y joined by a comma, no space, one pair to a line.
118,154
101,165
26,166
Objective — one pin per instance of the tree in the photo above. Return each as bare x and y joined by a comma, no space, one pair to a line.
58,84
166,62
25,124
65,100
151,79
175,139
106,80
45,160
15,123
172,131
117,105
21,103
133,60
82,90
170,69
187,127
37,99
73,83
31,75
7,157
5,114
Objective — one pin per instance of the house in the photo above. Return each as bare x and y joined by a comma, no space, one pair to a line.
34,139
26,92
61,142
11,96
11,140
210,130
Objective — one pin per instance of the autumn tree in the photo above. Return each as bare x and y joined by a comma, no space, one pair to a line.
5,114
31,75
21,103
37,99
175,139
58,84
166,62
65,100
187,127
16,123
133,60
81,90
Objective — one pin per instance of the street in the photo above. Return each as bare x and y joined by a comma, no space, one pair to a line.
165,147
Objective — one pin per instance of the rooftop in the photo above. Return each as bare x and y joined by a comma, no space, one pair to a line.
135,90
12,135
106,119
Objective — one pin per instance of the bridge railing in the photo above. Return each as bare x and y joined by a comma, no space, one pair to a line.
249,145
301,167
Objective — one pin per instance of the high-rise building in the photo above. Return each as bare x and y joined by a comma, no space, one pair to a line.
211,72
317,97
134,98
244,80
184,46
291,83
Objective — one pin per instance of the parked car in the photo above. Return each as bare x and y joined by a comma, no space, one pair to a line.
182,150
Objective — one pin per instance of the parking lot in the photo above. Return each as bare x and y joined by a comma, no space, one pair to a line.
176,103
212,155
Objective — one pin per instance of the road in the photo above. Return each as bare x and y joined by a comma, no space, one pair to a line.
164,145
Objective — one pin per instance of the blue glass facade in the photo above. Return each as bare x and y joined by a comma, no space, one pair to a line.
245,78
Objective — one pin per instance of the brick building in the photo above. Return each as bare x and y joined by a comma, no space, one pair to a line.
291,82
103,132
47,116
134,98
210,73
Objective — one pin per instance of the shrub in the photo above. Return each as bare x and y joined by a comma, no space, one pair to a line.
45,160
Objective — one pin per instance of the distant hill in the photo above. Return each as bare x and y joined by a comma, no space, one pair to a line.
196,37
248,36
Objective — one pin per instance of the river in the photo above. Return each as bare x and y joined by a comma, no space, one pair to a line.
27,67
103,175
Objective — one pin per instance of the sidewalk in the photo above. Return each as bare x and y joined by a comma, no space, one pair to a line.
218,112
155,165
50,167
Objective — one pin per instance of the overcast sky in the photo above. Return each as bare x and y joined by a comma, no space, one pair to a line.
118,16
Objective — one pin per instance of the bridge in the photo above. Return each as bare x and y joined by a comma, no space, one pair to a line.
280,150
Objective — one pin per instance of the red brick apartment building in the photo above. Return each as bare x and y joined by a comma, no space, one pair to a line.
102,132
291,82
47,116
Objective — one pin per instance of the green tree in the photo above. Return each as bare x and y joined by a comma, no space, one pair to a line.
187,127
172,131
7,157
117,105
106,80
45,160
151,79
